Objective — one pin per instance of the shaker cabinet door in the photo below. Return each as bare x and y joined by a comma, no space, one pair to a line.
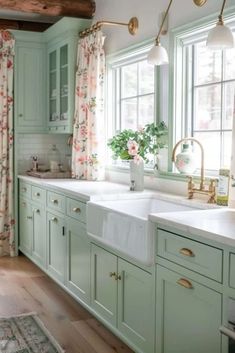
25,226
39,235
30,86
188,315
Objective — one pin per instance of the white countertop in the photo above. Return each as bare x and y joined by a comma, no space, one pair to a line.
217,225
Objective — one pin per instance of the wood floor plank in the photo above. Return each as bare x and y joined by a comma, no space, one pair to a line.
25,288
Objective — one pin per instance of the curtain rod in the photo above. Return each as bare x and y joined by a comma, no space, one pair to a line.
132,25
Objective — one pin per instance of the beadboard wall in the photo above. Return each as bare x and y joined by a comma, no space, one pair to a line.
39,145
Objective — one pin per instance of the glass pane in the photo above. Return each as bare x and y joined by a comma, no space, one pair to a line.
227,148
146,110
52,60
207,64
129,80
207,111
229,91
146,78
64,55
53,91
53,113
129,114
211,144
229,59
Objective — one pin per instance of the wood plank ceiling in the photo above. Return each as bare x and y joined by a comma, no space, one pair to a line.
53,8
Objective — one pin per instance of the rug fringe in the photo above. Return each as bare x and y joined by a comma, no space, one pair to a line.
49,335
33,313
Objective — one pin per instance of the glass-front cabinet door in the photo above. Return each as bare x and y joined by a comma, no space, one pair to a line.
61,87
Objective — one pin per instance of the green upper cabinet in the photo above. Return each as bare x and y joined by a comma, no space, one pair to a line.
188,315
30,86
62,43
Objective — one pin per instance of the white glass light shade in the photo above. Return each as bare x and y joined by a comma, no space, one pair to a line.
220,37
158,56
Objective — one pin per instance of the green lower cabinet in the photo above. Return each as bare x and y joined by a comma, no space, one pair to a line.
25,226
123,294
136,297
104,284
78,257
39,235
188,315
56,246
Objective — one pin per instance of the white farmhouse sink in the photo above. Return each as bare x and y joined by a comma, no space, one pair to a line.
123,224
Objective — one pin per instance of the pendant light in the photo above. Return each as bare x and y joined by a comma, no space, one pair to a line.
158,54
221,36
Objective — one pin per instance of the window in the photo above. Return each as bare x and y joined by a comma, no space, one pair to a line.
207,99
131,91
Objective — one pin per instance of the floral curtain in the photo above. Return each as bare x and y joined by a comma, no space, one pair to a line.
7,241
89,125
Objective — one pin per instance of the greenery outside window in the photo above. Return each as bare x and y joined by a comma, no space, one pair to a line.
131,90
204,94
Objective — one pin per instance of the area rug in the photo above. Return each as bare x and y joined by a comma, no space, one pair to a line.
26,334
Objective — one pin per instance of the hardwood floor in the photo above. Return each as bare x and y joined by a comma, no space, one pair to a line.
25,288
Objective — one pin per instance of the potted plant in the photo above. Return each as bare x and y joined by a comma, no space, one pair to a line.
139,146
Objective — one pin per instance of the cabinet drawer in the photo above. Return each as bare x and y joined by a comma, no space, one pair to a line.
38,194
76,209
25,189
56,201
191,254
232,270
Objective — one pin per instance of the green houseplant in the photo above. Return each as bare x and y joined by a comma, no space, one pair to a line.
140,144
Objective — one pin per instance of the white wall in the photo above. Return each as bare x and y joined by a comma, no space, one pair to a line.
148,12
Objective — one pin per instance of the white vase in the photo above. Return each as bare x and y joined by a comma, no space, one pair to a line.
137,175
185,161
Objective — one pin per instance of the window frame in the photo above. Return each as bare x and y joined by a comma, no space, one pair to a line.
180,72
127,56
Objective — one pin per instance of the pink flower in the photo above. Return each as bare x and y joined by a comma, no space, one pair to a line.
138,159
132,147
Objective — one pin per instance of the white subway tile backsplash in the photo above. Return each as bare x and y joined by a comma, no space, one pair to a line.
39,145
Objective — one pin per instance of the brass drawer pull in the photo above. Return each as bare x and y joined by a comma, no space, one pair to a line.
54,201
37,194
185,283
54,219
186,252
77,210
29,217
112,274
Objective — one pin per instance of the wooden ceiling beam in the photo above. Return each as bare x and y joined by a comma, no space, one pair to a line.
24,25
70,8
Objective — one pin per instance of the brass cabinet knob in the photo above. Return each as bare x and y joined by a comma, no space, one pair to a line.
20,115
54,219
54,201
186,252
185,283
77,210
23,204
37,194
118,277
112,274
24,189
37,210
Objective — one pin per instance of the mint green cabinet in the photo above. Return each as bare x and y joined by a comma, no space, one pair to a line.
136,297
56,246
25,226
189,315
30,87
78,259
104,284
123,294
39,235
61,85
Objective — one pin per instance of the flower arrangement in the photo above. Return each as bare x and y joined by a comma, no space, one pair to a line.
140,144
